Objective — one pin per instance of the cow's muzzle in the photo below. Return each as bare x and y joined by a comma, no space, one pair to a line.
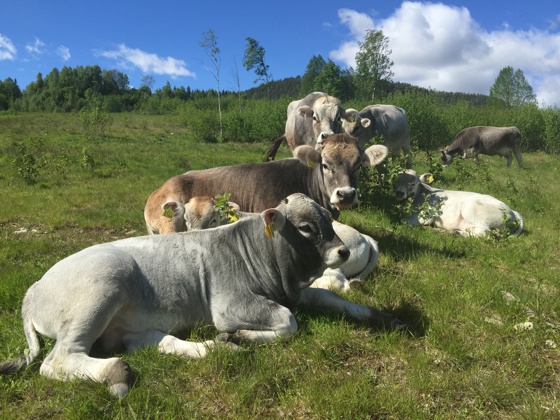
337,256
344,198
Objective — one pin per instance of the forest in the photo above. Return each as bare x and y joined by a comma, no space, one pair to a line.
258,114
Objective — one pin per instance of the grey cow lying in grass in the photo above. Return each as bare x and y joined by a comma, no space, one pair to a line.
245,279
364,252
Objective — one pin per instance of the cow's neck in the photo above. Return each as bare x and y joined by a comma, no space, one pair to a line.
284,265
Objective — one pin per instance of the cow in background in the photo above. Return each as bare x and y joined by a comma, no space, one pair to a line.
387,121
462,212
486,140
308,121
175,216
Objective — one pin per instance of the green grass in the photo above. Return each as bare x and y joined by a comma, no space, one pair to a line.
463,358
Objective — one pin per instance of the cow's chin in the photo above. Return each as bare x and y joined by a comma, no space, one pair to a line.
342,206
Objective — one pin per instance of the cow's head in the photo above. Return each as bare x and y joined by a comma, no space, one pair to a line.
198,213
339,161
308,227
353,124
326,112
446,158
408,184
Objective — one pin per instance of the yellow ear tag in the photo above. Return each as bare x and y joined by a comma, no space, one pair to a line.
233,217
168,212
268,229
310,164
430,179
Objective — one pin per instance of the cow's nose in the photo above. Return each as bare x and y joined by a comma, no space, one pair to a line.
344,253
399,194
346,195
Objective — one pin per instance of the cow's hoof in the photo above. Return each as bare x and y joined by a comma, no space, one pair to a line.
355,284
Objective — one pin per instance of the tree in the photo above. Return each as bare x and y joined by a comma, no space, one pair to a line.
147,81
512,88
313,69
210,45
330,80
254,59
373,63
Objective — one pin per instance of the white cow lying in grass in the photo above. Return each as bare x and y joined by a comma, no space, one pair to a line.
245,279
462,212
364,254
364,251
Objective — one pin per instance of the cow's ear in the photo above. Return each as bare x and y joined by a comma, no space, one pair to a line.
273,221
374,155
365,122
173,209
349,114
308,155
427,178
305,111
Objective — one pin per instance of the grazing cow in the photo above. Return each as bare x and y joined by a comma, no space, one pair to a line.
462,212
245,279
364,254
501,141
198,213
387,121
329,176
309,120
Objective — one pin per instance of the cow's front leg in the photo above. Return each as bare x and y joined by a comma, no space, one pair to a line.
166,343
258,320
327,301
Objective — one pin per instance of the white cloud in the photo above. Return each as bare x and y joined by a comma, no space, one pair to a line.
7,49
63,52
442,47
36,47
148,62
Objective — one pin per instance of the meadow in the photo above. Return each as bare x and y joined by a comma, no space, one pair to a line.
484,313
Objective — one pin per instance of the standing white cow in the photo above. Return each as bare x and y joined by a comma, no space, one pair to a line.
308,121
245,279
387,121
462,212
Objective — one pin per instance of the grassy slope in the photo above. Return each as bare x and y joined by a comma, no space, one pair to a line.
464,358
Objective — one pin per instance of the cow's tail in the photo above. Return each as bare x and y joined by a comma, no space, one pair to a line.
13,366
519,223
274,146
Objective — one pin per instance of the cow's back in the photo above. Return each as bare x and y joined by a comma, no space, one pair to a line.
255,187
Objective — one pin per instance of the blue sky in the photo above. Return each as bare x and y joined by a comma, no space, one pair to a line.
455,46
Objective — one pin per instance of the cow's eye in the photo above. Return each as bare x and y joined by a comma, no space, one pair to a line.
213,223
306,229
326,167
357,168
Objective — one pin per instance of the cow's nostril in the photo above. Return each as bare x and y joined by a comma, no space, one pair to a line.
344,252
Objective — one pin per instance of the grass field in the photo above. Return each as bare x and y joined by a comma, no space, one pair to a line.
484,313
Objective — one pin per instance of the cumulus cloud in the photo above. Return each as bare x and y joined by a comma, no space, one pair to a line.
7,49
442,47
63,52
36,48
148,62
